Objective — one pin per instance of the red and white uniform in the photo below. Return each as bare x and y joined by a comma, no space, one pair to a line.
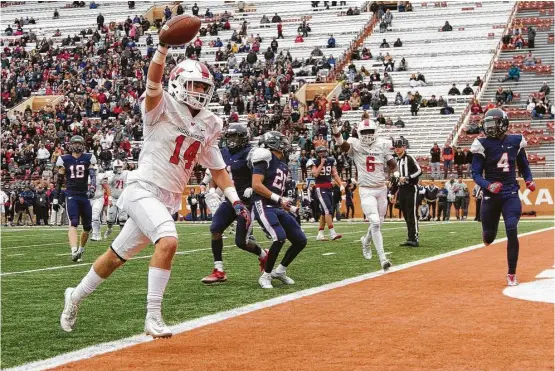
173,143
371,161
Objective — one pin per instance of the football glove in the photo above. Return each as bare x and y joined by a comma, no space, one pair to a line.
335,128
531,185
247,193
91,192
495,187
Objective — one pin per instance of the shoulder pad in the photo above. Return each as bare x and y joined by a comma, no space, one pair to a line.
260,155
477,147
310,162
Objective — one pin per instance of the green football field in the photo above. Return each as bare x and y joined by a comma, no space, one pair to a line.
36,269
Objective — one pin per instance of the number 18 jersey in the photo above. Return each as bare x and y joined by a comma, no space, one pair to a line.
371,161
76,172
174,141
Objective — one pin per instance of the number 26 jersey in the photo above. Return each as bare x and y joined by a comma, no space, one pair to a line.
174,141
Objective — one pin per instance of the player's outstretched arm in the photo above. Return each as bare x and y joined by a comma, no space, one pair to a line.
154,88
336,130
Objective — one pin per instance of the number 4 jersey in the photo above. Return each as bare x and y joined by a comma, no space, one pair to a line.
174,141
371,161
76,172
495,159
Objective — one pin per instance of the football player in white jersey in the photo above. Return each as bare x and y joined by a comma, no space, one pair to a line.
371,154
117,182
97,203
178,133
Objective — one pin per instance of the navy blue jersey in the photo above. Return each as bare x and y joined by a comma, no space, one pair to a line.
237,165
324,179
291,190
495,160
76,172
275,172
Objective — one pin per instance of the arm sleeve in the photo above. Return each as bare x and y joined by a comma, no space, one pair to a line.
477,170
523,165
415,169
260,168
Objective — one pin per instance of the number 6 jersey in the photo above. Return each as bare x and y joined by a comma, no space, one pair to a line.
174,142
371,161
76,172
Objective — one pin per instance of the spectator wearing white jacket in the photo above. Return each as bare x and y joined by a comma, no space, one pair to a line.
42,155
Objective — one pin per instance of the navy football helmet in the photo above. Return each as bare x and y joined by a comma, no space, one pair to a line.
495,123
237,136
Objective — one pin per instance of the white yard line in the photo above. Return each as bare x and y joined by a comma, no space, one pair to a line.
99,349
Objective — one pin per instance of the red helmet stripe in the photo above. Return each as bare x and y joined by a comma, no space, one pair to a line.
204,71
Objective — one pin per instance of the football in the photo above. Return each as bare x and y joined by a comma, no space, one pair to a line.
179,30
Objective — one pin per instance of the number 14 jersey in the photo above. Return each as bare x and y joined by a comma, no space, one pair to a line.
371,161
174,142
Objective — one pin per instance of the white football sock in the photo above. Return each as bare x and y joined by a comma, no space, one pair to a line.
281,269
219,266
332,231
378,240
157,281
74,250
88,284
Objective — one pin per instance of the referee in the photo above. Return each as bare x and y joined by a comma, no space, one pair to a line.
409,172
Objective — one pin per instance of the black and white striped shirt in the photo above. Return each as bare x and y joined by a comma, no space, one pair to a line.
409,168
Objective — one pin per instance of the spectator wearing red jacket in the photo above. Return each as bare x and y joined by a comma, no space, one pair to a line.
126,146
299,38
345,106
476,109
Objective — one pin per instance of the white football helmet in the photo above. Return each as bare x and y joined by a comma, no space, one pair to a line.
117,165
367,132
182,78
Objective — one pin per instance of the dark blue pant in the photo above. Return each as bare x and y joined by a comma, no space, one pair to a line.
278,223
493,206
79,207
325,199
508,205
224,217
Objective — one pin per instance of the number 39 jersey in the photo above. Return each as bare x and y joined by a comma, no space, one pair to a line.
275,172
371,161
76,172
174,142
500,158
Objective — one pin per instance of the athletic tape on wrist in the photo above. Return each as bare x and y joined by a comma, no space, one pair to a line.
160,55
231,194
153,88
274,197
